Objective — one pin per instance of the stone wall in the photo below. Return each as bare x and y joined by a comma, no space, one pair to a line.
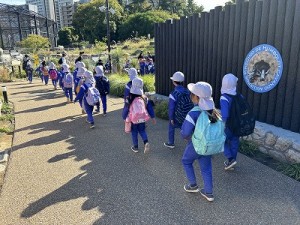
281,144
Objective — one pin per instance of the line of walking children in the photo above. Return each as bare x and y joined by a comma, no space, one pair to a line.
202,126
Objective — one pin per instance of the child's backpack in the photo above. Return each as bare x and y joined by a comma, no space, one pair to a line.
80,82
45,71
53,74
68,80
92,96
102,84
241,121
208,138
183,106
138,112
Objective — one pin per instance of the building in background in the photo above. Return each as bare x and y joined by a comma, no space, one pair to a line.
45,8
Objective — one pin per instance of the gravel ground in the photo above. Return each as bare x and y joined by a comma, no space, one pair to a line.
62,172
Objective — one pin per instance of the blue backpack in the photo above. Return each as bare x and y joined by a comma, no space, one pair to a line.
183,106
208,138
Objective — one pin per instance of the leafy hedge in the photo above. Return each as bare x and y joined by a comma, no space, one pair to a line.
118,82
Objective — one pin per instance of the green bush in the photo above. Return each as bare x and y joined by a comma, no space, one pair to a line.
161,110
291,170
248,148
118,82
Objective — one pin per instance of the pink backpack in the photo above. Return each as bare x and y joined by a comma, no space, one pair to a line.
53,74
138,112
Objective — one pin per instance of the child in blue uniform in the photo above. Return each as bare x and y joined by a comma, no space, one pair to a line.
178,79
231,147
132,73
52,68
78,65
136,91
45,70
103,86
200,94
68,83
88,82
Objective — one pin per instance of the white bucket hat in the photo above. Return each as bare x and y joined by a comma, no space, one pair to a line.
79,64
81,72
137,86
132,72
52,66
89,79
178,76
204,91
99,71
66,68
229,83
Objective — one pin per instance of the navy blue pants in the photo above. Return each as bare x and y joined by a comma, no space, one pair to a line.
46,79
189,156
136,129
89,111
104,103
29,74
231,146
172,132
69,93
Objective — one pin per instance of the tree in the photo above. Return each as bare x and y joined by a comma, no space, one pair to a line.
67,36
139,6
231,2
35,42
193,8
173,6
90,23
143,23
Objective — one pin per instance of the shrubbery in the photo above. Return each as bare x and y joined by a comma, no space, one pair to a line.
118,82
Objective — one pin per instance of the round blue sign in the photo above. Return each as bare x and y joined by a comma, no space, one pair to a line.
262,68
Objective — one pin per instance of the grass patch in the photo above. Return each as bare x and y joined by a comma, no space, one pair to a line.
291,170
7,117
161,110
118,82
6,108
6,130
250,149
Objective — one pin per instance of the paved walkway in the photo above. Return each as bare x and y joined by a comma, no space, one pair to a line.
62,172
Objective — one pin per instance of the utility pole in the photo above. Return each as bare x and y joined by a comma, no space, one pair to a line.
108,33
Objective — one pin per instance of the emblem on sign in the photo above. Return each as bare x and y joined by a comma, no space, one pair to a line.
262,68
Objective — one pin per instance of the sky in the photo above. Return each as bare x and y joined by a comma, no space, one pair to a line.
208,4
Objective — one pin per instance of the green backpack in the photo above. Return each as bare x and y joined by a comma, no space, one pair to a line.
208,138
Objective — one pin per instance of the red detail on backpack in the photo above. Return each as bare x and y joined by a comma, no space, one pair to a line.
138,112
53,74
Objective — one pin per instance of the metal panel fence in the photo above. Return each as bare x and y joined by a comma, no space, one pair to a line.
207,46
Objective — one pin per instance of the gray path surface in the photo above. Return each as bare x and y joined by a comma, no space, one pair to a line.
61,172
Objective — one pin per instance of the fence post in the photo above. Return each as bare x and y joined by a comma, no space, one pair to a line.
4,91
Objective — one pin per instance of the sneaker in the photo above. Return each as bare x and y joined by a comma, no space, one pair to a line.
169,145
104,114
134,149
87,121
147,148
189,188
229,164
97,111
208,197
92,126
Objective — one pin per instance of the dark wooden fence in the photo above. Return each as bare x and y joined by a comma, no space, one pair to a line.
205,47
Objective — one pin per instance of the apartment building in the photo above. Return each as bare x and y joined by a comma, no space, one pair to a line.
44,7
